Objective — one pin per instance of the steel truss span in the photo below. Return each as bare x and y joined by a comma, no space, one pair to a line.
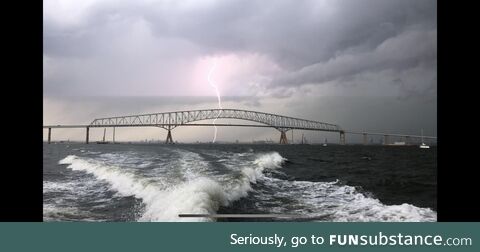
170,120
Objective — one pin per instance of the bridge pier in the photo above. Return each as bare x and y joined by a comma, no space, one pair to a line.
283,137
386,139
169,139
365,141
49,134
342,138
407,140
86,138
113,141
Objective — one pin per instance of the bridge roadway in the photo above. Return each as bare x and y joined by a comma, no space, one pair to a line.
171,120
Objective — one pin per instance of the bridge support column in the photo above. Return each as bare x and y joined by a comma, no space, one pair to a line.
365,141
386,139
49,134
86,138
113,141
169,137
342,138
283,137
407,140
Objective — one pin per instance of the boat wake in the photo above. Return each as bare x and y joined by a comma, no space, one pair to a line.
194,186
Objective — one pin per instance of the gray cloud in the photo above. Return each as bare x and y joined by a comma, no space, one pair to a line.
408,50
144,48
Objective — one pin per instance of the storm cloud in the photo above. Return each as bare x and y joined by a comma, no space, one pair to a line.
267,48
363,64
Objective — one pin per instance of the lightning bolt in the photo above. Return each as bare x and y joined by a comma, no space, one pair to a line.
209,78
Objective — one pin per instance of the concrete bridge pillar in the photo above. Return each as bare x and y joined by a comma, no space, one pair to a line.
407,140
113,141
283,137
169,137
342,138
386,139
365,141
88,132
49,134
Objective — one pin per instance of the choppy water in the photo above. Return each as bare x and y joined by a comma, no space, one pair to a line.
133,182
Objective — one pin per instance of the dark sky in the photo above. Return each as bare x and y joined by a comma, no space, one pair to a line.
274,56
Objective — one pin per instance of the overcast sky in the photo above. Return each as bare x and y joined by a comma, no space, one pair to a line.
271,55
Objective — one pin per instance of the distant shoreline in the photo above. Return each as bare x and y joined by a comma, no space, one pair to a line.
235,143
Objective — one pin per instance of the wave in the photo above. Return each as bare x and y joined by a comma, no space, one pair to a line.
67,213
331,201
164,200
198,189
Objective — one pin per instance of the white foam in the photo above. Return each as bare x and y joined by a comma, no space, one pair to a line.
270,160
199,196
51,186
251,172
164,201
124,182
79,187
199,191
343,203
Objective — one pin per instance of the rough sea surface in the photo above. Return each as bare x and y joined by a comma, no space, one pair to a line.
155,182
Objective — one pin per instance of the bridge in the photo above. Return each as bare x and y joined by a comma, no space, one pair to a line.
171,120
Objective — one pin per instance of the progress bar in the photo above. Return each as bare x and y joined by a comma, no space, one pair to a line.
240,216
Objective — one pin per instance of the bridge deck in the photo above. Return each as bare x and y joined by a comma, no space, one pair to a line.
227,125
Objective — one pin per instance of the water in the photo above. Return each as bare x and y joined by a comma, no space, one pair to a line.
135,182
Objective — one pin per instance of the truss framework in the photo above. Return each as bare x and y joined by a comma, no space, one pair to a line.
170,120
